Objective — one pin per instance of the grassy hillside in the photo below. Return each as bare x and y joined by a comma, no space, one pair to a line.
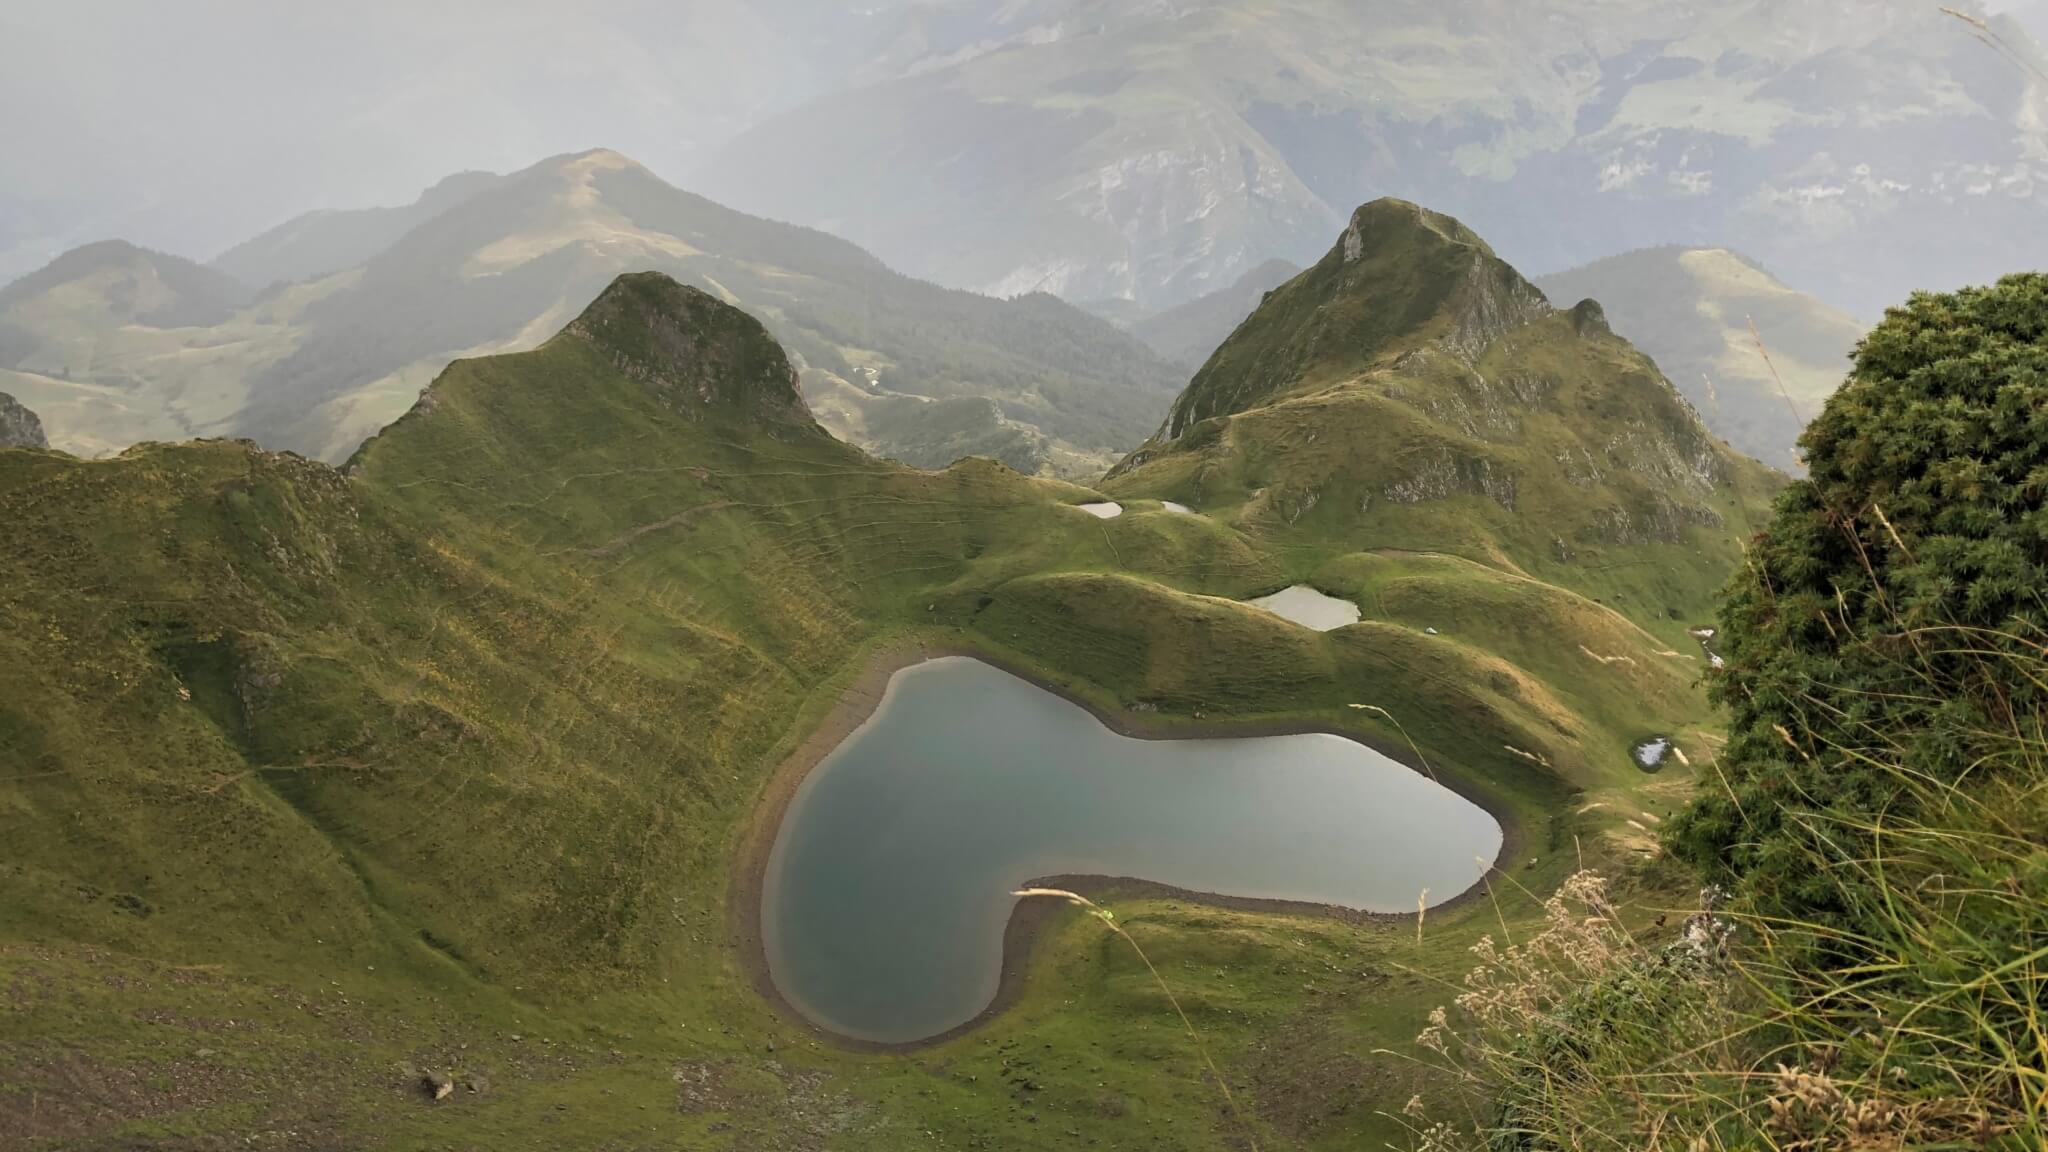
321,780
1691,310
317,367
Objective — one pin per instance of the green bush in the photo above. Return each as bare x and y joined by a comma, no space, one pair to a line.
1880,616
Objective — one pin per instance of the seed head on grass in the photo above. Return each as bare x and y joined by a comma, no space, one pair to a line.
1109,918
1402,729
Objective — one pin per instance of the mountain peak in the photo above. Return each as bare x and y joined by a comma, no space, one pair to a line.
704,354
1389,222
1399,279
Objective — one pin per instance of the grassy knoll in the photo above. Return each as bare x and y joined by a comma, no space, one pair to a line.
313,781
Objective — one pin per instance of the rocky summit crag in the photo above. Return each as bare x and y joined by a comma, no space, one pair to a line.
19,427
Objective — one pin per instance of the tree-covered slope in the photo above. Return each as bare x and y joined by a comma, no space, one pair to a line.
1859,965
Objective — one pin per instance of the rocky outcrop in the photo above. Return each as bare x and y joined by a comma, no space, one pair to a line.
1493,301
1440,473
1657,519
705,356
19,427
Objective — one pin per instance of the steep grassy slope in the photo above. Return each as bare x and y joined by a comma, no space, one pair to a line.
317,367
314,779
1413,392
1691,310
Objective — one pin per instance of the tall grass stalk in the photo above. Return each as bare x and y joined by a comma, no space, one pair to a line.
1109,918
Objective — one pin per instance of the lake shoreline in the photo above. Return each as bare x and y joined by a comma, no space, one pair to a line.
860,699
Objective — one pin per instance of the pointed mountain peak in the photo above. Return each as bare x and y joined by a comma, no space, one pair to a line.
1400,279
707,356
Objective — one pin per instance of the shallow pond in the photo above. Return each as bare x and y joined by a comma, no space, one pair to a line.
1103,511
1650,754
888,889
1310,608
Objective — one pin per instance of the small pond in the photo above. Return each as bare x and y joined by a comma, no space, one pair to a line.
1107,510
889,886
1310,608
1651,754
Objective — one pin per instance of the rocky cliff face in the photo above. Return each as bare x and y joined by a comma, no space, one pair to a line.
19,427
323,365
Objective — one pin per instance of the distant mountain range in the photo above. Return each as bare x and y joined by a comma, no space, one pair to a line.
187,130
310,246
1156,152
112,344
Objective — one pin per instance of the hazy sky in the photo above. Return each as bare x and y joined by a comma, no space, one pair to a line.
191,124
